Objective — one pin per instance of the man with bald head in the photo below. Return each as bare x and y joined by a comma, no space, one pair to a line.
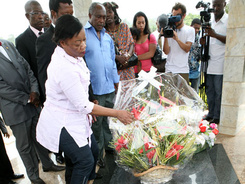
100,59
214,80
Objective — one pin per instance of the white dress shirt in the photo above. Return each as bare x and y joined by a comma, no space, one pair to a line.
67,103
216,47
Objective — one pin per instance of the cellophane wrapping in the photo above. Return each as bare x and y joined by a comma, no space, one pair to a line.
167,111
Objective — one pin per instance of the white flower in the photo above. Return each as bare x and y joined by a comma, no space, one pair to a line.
211,135
200,140
206,137
205,123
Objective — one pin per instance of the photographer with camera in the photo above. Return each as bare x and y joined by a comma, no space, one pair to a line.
177,48
214,78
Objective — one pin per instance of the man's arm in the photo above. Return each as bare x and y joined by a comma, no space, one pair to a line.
166,48
211,32
12,94
34,95
184,46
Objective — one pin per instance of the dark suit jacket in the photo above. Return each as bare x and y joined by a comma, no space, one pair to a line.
25,44
44,50
16,83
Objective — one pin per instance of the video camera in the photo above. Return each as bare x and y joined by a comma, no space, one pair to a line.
169,25
205,14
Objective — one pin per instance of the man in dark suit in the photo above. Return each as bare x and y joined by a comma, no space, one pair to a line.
44,45
45,48
19,98
25,44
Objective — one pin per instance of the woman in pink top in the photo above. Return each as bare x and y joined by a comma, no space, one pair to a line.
65,120
145,46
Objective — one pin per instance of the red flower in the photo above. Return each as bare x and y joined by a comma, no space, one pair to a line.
137,112
174,151
200,125
121,143
149,154
203,129
215,131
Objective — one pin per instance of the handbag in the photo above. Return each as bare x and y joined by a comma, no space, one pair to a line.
157,59
132,61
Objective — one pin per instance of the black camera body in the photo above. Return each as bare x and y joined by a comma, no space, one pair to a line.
205,14
168,31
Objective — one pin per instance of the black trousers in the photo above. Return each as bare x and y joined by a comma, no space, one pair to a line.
6,170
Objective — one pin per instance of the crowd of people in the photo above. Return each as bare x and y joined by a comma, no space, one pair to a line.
59,81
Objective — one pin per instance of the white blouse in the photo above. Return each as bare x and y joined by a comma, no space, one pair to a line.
67,103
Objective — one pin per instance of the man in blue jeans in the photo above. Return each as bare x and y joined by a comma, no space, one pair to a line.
214,80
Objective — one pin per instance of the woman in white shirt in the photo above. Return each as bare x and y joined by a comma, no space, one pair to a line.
65,121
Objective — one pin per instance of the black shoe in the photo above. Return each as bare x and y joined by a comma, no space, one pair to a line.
98,176
216,121
59,159
207,118
101,163
38,181
17,176
54,168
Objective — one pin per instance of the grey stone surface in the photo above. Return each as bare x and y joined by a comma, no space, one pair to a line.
232,106
207,167
81,8
236,18
236,75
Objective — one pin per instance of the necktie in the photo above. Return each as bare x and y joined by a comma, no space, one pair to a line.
40,33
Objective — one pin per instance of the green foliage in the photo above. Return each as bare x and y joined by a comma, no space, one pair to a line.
188,19
152,25
227,8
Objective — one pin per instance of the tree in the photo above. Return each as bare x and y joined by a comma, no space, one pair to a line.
188,18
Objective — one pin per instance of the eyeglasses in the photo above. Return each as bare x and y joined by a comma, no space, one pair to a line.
37,13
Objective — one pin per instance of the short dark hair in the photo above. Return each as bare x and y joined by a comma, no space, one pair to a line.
113,6
67,26
135,32
196,21
179,6
55,4
29,4
141,14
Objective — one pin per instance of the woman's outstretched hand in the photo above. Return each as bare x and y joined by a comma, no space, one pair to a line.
125,117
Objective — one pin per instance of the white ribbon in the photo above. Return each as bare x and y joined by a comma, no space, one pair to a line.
147,78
